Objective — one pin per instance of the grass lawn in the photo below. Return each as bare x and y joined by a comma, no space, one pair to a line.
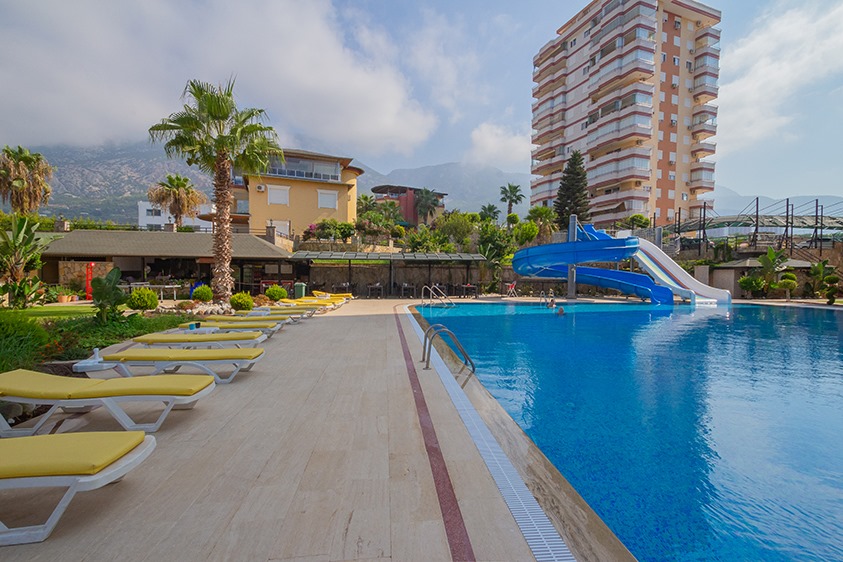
53,312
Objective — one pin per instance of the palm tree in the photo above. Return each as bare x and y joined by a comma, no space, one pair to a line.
178,195
545,219
213,134
511,195
391,211
23,179
365,203
426,203
490,212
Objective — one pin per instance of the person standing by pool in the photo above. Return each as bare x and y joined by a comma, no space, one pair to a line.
552,303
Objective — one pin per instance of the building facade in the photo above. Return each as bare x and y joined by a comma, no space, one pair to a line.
302,189
151,217
629,83
406,199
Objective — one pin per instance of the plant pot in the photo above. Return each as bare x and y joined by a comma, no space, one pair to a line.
63,298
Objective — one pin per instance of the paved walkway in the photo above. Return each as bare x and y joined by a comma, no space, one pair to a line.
317,454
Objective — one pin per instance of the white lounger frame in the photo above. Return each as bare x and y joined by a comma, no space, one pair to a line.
96,363
112,473
208,344
110,403
269,332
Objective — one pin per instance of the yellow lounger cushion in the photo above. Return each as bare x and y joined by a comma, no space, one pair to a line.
233,325
32,384
188,337
65,454
266,318
148,354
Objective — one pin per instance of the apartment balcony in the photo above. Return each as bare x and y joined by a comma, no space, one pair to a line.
548,133
549,50
555,64
550,82
703,130
545,186
703,149
643,152
702,166
547,150
623,173
637,194
710,49
616,138
707,69
707,108
546,166
549,119
619,76
707,35
700,186
632,9
704,93
698,204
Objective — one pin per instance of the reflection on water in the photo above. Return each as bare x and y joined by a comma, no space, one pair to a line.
695,434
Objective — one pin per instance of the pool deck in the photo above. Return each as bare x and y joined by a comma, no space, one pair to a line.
317,454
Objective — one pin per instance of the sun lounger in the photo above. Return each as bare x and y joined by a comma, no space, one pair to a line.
329,304
260,313
305,310
80,395
268,327
171,360
282,318
188,340
323,294
77,461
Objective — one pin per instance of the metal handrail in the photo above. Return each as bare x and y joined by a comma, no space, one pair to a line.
427,346
435,293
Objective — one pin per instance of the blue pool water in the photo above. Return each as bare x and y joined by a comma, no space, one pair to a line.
714,434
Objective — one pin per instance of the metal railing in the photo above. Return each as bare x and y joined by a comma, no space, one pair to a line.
437,295
427,346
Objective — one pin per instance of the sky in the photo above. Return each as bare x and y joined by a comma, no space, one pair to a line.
398,84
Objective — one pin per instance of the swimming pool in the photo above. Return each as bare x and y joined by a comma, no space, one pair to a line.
707,434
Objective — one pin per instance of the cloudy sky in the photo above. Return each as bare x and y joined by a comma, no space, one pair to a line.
399,84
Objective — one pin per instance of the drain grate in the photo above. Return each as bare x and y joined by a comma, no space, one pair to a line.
541,536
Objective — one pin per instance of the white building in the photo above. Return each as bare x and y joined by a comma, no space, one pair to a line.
153,218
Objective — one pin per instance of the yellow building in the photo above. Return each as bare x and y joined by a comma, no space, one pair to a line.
305,188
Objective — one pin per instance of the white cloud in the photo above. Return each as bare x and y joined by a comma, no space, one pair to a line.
791,50
440,53
497,146
87,72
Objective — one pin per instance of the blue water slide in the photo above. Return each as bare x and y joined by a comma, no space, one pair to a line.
552,260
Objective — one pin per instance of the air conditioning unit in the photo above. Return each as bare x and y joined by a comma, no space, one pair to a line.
675,85
692,51
260,188
672,162
673,122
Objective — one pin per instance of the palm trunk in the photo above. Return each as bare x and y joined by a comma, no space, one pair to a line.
509,208
222,283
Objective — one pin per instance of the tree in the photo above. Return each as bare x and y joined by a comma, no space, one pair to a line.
391,211
366,203
525,232
426,203
572,196
24,178
211,133
545,219
772,263
635,221
177,195
490,212
511,195
20,253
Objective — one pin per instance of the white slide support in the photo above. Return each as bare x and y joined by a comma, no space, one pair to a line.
667,272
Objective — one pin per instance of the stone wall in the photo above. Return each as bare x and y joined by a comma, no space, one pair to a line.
72,273
325,246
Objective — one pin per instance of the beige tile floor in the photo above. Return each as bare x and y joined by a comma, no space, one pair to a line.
316,454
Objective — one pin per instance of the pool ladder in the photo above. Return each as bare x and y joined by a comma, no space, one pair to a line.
437,296
427,346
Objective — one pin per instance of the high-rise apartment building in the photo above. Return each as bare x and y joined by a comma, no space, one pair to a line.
629,83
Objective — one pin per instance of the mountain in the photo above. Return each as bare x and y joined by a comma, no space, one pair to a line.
468,186
106,182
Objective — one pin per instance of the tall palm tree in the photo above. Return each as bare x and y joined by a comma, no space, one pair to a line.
490,212
426,203
366,203
178,195
211,133
511,195
23,179
391,211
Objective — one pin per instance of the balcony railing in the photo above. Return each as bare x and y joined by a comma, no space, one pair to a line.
701,186
643,152
702,149
627,195
705,108
703,130
704,92
631,70
707,68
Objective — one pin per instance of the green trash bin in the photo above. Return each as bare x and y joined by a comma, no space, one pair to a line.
300,289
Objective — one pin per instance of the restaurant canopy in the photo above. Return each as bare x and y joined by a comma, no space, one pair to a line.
384,256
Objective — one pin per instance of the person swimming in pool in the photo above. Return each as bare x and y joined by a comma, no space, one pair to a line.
552,303
560,311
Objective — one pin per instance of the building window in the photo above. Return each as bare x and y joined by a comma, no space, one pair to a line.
661,135
658,193
674,99
675,61
327,199
688,65
663,76
277,195
586,34
670,214
659,174
671,175
664,36
661,115
672,137
153,212
573,42
677,41
673,157
684,197
664,57
687,102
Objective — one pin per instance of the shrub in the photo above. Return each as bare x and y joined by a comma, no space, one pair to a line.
107,295
276,293
262,300
22,340
186,305
753,285
788,276
143,299
242,301
203,293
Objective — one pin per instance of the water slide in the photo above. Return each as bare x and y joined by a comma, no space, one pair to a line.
666,278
